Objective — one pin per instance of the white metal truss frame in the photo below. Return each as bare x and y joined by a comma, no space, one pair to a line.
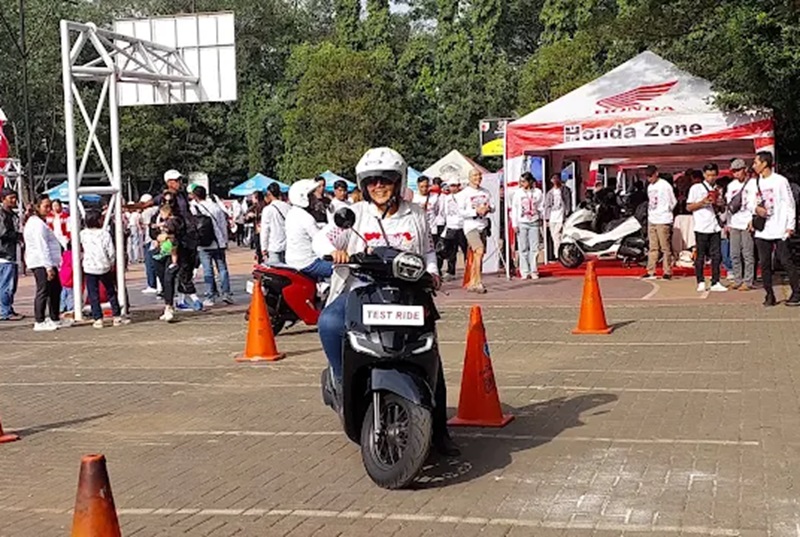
12,172
90,54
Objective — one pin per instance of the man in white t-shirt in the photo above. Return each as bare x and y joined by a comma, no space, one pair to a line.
775,203
741,195
661,203
453,234
704,202
339,200
475,203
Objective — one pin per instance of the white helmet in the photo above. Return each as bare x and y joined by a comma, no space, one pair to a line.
381,162
299,191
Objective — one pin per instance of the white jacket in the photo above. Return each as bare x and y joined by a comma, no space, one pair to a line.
98,251
42,248
526,207
406,230
273,226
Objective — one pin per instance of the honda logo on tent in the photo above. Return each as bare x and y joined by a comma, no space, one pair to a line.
632,100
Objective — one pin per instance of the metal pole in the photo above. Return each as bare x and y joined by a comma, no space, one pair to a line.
72,171
116,182
26,100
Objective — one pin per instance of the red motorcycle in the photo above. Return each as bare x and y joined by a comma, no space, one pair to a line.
291,296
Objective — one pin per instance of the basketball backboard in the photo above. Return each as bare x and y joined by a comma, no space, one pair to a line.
206,44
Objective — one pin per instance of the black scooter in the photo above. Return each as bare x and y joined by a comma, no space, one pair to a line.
391,363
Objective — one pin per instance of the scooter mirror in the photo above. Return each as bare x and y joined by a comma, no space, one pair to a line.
344,218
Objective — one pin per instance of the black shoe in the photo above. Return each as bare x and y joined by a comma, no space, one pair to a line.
794,300
444,445
770,301
666,277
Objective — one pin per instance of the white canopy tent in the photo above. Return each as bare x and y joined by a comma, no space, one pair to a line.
647,108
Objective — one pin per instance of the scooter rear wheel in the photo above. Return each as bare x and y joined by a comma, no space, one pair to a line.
395,456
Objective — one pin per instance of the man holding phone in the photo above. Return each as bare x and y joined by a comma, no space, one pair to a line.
774,222
705,204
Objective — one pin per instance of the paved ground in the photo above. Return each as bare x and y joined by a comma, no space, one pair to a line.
682,422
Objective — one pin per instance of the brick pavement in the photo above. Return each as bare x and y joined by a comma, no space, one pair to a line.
683,422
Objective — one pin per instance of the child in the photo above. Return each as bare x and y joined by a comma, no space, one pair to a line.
65,275
98,262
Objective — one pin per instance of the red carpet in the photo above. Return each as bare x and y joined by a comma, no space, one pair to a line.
613,269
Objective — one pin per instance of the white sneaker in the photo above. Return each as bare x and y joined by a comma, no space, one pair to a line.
45,327
120,321
209,303
701,287
534,276
524,276
168,315
98,323
228,299
51,322
149,291
66,323
718,288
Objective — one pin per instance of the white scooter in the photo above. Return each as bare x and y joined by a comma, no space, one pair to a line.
623,239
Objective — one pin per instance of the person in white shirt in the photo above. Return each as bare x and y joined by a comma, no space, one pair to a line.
273,226
301,227
381,174
660,206
339,199
453,234
135,254
99,256
148,217
214,255
475,203
741,193
705,202
557,207
775,203
526,216
43,258
429,200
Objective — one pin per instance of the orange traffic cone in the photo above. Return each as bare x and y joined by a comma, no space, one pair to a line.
260,345
95,514
592,319
467,269
478,403
6,438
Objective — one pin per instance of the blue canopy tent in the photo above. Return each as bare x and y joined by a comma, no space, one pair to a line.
331,178
61,193
257,183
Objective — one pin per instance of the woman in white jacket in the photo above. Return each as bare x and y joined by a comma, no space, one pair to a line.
526,217
43,257
384,214
99,256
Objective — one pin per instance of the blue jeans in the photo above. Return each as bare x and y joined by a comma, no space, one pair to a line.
331,332
528,243
109,282
9,276
209,258
319,270
67,299
150,268
727,262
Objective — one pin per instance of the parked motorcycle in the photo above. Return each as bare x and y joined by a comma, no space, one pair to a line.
291,296
390,365
584,237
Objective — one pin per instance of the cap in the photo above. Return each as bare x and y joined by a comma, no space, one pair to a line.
6,192
738,164
172,175
145,198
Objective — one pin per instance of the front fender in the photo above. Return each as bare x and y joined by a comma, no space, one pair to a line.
407,385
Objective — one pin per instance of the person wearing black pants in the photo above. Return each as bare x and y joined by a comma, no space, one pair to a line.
168,276
709,246
705,202
458,241
774,221
48,295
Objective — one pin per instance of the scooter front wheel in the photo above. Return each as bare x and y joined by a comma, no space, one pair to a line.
570,256
394,456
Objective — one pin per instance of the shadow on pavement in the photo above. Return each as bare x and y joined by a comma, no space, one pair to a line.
485,450
30,431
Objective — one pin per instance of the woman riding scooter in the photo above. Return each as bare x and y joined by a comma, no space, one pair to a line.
384,216
301,227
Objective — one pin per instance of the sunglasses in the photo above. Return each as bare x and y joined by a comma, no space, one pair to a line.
385,181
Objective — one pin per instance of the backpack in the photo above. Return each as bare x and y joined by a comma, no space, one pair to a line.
205,230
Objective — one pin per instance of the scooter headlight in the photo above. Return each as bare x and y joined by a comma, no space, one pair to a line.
408,266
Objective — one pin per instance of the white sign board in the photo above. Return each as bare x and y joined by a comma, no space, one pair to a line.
207,44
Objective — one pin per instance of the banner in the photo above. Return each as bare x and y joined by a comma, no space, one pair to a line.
492,132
